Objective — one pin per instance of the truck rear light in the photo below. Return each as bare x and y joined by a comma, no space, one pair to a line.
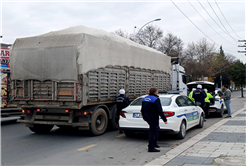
66,111
23,111
122,113
79,113
168,114
38,110
85,113
28,111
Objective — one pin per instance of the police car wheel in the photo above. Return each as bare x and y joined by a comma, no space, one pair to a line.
201,121
221,113
182,130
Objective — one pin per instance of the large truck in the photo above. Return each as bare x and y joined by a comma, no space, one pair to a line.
71,77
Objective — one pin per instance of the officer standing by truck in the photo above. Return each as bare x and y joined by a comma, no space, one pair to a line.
191,94
151,110
199,95
207,103
122,102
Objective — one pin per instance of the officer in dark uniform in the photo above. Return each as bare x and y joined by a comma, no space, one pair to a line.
151,110
122,102
199,95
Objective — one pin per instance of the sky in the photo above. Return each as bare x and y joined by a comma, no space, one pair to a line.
30,18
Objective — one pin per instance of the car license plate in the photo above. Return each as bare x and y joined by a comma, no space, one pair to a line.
136,115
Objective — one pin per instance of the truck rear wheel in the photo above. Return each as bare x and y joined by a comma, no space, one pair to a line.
114,122
37,128
99,122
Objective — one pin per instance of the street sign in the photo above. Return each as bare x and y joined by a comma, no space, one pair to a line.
4,58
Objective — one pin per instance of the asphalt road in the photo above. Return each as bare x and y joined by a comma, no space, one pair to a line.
62,147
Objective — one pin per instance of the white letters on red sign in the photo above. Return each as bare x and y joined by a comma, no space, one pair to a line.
4,53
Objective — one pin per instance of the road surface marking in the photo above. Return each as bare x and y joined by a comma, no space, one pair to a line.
86,147
121,135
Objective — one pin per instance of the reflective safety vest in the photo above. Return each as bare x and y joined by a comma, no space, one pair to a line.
190,96
209,96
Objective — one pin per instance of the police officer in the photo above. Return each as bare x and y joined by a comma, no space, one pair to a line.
199,95
207,103
122,102
191,94
151,110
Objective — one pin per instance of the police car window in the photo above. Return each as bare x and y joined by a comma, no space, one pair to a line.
189,101
137,102
165,101
181,101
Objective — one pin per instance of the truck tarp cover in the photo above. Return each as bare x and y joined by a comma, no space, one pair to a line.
62,55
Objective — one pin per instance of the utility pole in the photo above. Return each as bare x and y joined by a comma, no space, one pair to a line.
242,46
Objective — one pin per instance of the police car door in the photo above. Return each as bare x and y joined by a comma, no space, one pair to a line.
193,111
184,110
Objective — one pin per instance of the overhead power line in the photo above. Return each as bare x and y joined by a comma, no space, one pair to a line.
226,19
209,24
198,27
214,20
220,21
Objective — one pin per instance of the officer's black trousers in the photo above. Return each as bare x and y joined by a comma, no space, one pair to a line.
153,133
206,109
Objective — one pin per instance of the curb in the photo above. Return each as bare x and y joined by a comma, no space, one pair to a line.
164,159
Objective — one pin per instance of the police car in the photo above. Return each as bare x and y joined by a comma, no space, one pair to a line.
181,113
216,105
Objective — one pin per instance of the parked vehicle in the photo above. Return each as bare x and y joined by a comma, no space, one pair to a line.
180,111
216,105
5,85
71,77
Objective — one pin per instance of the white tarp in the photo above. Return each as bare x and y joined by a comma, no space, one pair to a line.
62,55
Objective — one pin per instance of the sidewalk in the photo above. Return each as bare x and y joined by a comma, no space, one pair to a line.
224,143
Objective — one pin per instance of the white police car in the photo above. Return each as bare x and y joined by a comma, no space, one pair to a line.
181,113
216,105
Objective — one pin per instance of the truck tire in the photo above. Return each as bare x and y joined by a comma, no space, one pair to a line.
182,130
37,128
64,127
114,123
99,122
129,133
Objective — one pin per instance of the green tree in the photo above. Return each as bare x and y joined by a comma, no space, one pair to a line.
237,73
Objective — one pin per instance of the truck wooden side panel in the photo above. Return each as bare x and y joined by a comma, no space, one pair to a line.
96,87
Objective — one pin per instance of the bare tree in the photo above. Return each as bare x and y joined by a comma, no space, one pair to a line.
121,33
198,57
171,45
149,36
124,34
